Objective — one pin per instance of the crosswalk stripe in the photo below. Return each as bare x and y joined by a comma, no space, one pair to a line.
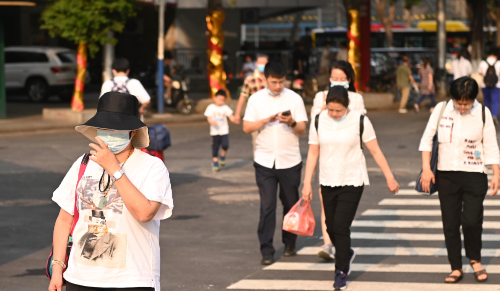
384,268
413,212
400,251
414,224
323,285
412,236
427,202
411,192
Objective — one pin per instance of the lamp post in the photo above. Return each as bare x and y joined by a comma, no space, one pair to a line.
161,44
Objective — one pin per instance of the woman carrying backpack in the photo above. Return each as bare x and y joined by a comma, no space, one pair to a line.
336,138
489,69
467,143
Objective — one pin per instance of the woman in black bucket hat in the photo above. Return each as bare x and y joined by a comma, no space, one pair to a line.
111,206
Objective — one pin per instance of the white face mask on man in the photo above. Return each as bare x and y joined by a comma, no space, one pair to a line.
117,140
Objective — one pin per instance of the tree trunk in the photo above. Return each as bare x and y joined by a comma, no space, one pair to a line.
478,9
408,17
293,33
386,19
81,61
495,15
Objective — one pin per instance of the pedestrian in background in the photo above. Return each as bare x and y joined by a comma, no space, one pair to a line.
279,116
427,90
324,67
248,66
343,53
490,70
461,66
467,143
336,139
341,74
123,84
404,80
217,115
113,212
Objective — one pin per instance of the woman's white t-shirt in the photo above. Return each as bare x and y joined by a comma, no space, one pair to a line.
356,103
219,114
110,247
341,160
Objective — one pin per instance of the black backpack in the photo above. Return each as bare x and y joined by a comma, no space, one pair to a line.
491,77
361,128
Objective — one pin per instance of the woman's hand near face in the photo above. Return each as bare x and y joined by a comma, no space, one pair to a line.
426,179
104,157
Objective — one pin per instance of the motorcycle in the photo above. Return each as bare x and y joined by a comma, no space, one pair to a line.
179,99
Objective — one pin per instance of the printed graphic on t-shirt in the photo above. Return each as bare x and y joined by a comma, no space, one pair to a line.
472,155
100,246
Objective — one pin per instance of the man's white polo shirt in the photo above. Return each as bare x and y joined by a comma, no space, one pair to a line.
277,144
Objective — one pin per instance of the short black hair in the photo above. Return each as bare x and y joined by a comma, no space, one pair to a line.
221,92
464,88
493,51
167,55
275,69
120,65
338,94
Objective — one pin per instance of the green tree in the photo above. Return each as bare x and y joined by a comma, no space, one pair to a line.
86,23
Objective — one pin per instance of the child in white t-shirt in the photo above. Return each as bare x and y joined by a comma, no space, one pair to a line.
217,115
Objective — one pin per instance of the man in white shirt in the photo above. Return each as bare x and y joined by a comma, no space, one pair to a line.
279,116
121,83
491,93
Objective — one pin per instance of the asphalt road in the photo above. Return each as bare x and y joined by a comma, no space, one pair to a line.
211,240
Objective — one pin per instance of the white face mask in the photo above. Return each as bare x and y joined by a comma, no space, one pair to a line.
344,84
117,140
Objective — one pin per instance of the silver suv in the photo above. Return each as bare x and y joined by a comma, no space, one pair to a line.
40,71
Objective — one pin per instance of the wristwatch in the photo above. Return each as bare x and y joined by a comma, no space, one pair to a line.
117,175
293,124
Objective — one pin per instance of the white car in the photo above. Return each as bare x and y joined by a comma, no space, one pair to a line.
40,71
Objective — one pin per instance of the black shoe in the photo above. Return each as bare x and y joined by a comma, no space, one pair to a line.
290,251
267,260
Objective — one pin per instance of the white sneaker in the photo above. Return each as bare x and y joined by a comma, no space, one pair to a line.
417,108
403,111
326,252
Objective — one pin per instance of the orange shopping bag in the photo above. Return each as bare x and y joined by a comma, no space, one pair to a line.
300,219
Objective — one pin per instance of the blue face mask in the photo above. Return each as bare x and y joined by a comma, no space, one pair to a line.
272,94
261,68
117,141
343,117
344,84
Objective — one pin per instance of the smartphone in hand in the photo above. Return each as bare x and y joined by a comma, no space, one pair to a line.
286,113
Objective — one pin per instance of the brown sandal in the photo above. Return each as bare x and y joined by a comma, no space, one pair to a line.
478,273
456,279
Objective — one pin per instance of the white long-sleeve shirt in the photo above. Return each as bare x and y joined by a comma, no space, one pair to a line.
356,103
464,144
461,68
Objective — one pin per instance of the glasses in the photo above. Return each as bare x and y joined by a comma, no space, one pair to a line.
465,106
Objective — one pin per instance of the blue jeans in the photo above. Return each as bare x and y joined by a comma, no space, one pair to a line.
432,96
491,99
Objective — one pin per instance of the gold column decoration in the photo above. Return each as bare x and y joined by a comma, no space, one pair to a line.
81,61
354,56
215,66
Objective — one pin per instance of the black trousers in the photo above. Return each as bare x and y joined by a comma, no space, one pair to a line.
219,141
340,204
461,195
74,287
268,181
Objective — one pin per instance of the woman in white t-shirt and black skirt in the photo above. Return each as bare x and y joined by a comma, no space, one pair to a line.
336,140
467,143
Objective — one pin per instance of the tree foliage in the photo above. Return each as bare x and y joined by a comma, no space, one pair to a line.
87,21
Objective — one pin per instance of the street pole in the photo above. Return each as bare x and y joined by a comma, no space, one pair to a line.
441,44
256,26
319,23
109,55
161,44
3,103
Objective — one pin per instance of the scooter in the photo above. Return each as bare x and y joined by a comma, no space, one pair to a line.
179,92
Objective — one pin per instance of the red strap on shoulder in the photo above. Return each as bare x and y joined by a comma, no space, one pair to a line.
81,171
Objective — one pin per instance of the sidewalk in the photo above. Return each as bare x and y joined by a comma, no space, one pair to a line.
36,123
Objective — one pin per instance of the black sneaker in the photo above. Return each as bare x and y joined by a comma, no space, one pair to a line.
340,280
290,251
267,260
352,255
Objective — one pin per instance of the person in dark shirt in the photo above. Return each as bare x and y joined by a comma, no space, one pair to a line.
167,75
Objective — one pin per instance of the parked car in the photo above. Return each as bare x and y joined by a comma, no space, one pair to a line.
40,71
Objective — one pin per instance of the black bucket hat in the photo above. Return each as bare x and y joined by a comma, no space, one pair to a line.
117,111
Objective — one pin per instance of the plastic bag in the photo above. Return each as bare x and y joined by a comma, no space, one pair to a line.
300,219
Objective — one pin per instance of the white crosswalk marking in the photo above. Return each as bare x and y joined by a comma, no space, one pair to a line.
401,251
411,212
319,285
400,215
427,202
